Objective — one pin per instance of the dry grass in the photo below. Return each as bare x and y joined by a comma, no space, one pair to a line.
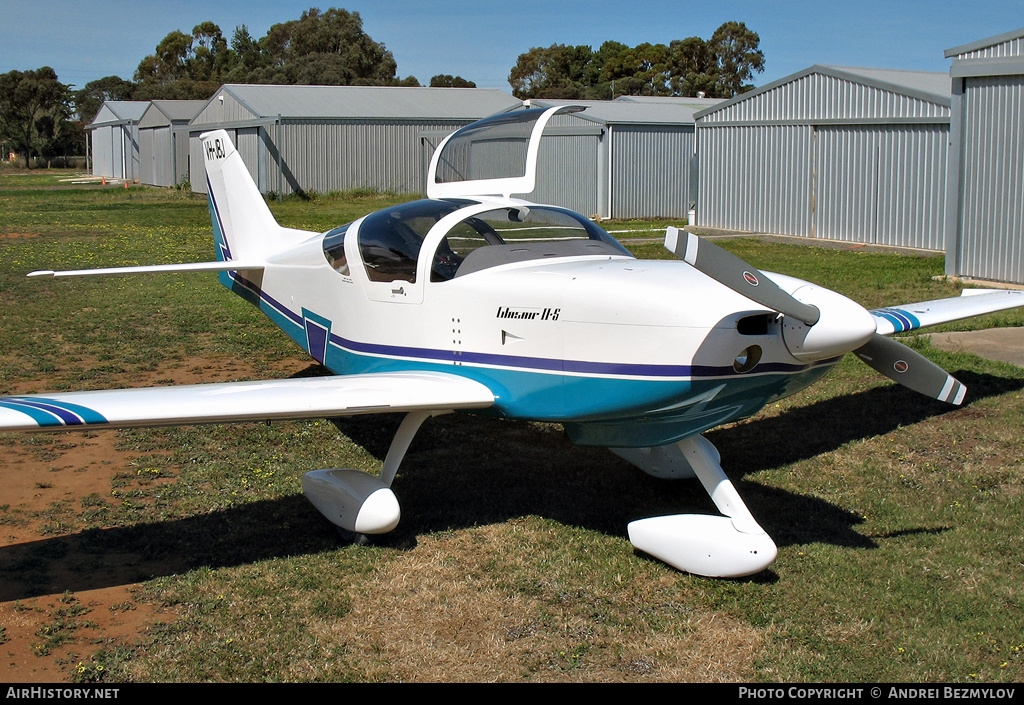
196,559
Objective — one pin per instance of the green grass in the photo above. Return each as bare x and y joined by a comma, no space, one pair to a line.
897,518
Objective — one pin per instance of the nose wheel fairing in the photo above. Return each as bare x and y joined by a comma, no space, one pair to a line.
729,546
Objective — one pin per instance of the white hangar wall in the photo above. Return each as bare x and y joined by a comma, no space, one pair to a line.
632,157
163,141
114,139
985,202
846,154
336,138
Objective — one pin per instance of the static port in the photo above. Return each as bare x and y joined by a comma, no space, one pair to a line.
747,359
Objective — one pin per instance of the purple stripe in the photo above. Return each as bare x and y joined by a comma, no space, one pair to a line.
68,417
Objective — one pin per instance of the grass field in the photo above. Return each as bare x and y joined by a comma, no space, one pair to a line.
189,554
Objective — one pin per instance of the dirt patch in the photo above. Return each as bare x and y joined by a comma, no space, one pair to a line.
48,631
14,236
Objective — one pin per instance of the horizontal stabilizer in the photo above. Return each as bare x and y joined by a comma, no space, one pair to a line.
972,302
229,266
312,397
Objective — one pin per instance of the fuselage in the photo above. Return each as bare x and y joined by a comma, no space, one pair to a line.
559,321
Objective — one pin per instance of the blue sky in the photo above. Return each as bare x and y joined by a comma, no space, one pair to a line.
480,40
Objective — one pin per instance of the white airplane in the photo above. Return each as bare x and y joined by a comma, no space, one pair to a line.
473,300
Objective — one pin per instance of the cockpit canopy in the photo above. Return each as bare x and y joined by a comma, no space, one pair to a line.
460,228
391,241
496,156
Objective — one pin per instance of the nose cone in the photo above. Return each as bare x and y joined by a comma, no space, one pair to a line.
844,326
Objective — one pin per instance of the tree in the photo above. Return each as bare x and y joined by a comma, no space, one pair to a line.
248,58
324,48
737,57
558,71
718,67
640,70
89,99
692,67
319,48
185,66
33,106
445,80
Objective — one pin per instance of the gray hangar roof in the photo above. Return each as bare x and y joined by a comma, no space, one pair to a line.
846,93
1006,44
170,112
362,102
118,112
1001,55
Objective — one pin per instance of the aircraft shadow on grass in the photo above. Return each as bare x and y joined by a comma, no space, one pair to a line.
466,470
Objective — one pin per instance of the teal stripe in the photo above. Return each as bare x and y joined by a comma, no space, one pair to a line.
43,418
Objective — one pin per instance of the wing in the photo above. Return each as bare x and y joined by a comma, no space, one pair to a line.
971,302
313,397
227,266
911,369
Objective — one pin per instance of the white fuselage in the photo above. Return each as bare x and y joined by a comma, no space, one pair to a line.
625,352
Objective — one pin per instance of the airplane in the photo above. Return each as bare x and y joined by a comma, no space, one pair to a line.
476,300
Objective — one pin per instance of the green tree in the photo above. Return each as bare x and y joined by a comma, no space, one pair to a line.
692,67
639,70
248,58
558,71
89,99
33,106
737,57
324,48
185,66
718,67
445,80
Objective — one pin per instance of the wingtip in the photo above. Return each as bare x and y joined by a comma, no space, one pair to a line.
42,273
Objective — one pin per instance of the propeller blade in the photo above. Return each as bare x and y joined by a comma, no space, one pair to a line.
731,271
911,369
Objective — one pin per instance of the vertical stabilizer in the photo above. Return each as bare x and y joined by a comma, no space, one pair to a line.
244,228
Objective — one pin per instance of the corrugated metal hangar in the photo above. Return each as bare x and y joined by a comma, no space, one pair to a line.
163,141
985,202
624,158
115,139
873,156
837,153
336,138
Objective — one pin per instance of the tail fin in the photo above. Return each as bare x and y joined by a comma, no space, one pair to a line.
243,226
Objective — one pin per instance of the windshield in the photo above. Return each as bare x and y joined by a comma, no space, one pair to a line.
517,234
390,239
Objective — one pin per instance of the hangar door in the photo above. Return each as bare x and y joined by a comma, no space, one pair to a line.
879,185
